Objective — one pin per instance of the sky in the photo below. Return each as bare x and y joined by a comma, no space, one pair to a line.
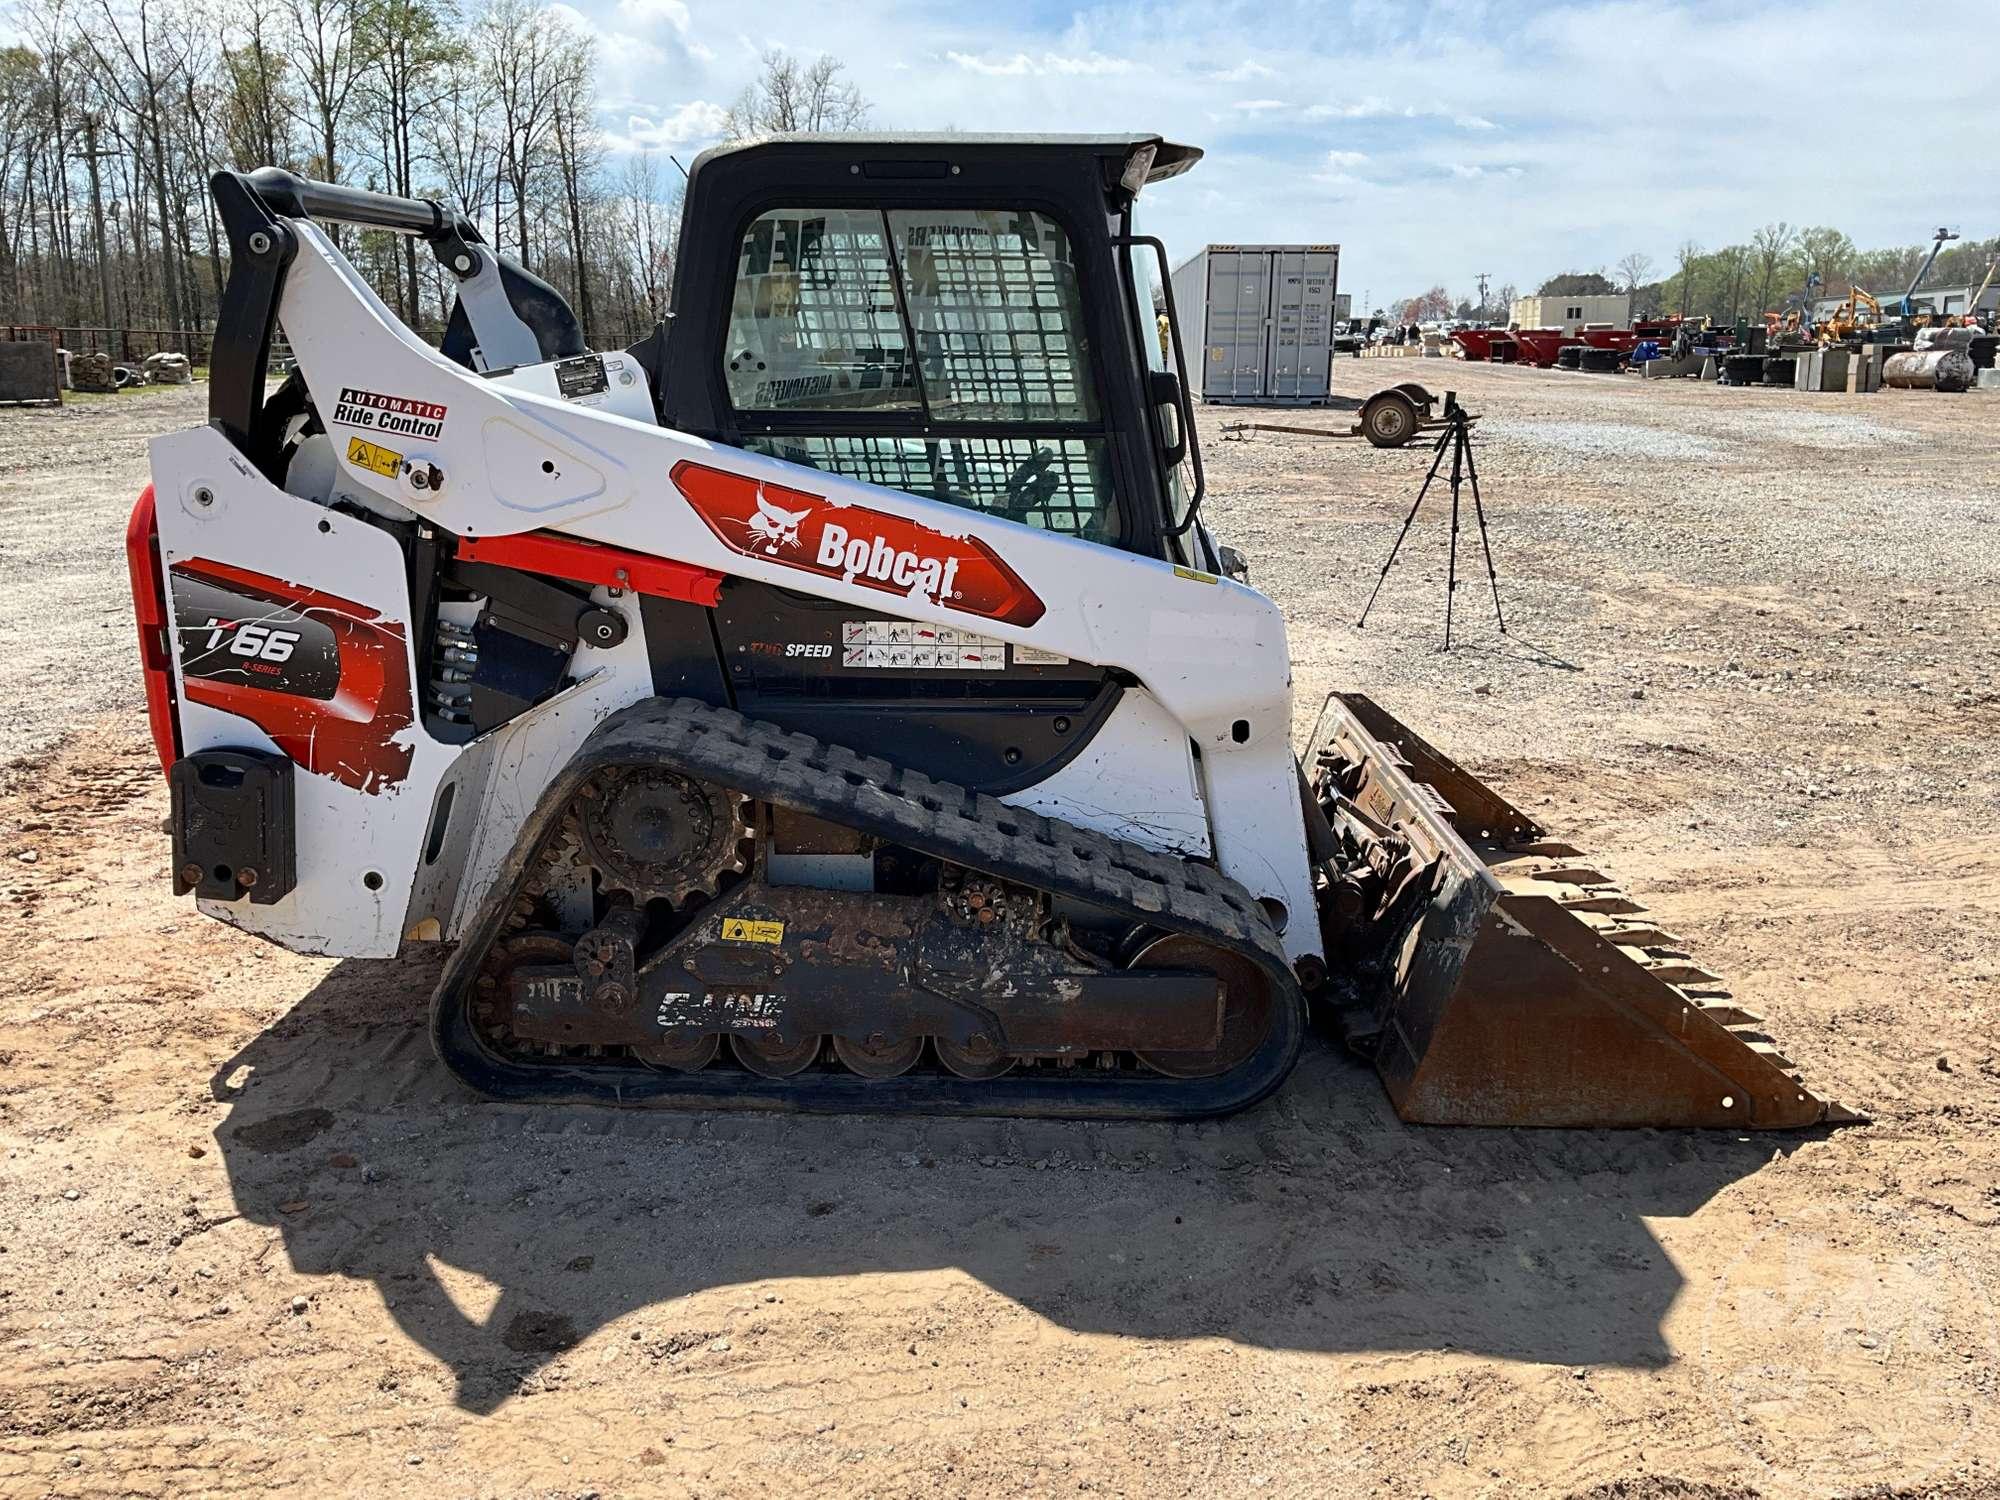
1431,141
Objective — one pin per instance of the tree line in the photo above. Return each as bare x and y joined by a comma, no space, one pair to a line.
1747,280
1768,273
115,113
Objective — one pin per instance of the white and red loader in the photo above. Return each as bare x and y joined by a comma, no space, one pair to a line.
834,701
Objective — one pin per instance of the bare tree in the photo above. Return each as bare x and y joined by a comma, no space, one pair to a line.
458,131
650,226
257,98
523,49
1735,265
1825,253
789,95
1635,268
320,37
408,45
1686,258
1768,248
579,154
139,61
21,95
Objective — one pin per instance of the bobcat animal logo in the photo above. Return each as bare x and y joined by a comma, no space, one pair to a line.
774,528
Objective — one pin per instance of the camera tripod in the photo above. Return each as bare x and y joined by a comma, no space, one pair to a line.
1457,436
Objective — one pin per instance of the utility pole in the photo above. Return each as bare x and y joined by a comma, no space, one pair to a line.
91,152
1482,278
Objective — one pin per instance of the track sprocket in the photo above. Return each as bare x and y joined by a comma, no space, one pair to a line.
658,835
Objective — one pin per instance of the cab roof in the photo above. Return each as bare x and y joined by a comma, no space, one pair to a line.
1169,159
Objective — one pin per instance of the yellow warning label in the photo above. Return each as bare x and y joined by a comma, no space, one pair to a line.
737,930
373,457
1192,576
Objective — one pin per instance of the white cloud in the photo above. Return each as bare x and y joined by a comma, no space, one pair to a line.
1417,89
1346,159
1046,64
1359,110
1258,106
697,120
646,12
1381,109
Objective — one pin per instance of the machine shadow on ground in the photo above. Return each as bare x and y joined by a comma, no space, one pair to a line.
1315,1222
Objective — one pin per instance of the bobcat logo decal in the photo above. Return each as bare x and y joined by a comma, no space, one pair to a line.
774,528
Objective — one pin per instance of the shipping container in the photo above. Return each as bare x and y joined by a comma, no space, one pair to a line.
1256,322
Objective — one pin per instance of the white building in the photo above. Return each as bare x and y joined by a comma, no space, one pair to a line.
1938,301
1950,301
1573,313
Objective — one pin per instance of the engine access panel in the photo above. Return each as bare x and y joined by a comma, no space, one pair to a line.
944,700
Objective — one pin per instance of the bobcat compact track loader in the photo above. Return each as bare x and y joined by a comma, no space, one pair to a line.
835,702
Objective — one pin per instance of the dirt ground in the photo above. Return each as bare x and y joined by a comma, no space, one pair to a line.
252,1240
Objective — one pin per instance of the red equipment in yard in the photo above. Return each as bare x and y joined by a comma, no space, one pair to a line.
1477,343
1623,340
1540,346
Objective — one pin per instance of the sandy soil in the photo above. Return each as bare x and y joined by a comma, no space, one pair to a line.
250,1239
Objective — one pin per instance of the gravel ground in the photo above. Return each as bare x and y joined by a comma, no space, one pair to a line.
68,478
253,1240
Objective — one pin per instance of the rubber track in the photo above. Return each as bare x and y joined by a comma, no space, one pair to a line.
904,807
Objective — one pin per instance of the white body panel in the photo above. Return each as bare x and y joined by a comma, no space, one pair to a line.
1135,780
1211,653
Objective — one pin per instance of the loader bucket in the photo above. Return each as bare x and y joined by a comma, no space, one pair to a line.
1506,980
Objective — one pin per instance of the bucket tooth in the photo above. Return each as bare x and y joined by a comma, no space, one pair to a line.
1677,972
1614,903
1770,1051
1637,935
1724,1013
1572,875
1534,995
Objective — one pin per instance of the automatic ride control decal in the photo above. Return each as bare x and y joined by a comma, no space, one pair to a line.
403,415
856,544
327,679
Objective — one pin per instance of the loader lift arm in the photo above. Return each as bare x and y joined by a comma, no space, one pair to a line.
503,314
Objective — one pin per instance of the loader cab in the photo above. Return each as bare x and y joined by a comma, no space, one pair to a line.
967,318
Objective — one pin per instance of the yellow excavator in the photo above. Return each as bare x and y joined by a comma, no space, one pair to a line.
1847,319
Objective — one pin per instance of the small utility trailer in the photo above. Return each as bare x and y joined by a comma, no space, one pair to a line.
1389,419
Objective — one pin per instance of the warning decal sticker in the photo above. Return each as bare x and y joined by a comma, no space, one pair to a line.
741,930
917,646
373,457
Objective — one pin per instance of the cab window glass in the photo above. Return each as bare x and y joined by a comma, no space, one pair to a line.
923,320
996,314
813,324
1056,484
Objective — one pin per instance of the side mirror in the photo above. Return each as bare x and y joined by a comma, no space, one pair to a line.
1163,390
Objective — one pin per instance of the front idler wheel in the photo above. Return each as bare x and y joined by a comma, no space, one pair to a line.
1246,1015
